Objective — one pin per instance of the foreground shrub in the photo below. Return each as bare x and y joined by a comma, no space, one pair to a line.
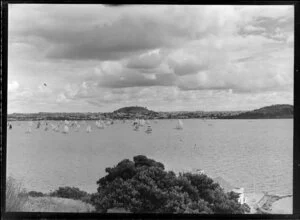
15,195
55,204
69,193
35,194
142,185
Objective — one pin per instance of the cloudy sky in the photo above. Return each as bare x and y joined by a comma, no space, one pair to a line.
99,58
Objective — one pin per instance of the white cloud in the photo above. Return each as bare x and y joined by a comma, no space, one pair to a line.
13,86
61,98
88,53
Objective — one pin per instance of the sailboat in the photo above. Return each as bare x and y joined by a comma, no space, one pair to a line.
77,127
149,129
66,129
142,122
100,124
136,127
88,129
28,131
135,122
179,125
56,129
53,127
38,125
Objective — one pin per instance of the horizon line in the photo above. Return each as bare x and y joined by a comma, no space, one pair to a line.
150,110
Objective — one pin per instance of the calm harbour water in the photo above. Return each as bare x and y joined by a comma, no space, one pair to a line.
254,154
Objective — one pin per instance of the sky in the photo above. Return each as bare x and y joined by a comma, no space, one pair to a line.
98,58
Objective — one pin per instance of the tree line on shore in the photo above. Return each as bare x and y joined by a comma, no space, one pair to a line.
130,113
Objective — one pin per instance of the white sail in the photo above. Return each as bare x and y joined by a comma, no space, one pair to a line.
28,130
88,129
149,129
66,129
100,124
136,127
53,126
56,129
109,122
179,125
135,122
142,122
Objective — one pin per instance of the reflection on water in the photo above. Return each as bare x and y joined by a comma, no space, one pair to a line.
256,156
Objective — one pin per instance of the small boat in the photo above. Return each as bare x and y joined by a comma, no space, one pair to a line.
135,122
149,129
88,129
142,122
28,131
56,129
179,125
10,126
53,127
100,124
77,127
136,127
38,125
66,129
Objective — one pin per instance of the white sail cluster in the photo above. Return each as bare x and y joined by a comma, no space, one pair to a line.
137,123
100,124
67,126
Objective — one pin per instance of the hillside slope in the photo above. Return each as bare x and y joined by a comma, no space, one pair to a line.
273,111
133,110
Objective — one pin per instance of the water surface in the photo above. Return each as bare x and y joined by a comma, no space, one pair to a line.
254,154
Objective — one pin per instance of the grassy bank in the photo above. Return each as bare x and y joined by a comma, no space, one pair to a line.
18,200
55,204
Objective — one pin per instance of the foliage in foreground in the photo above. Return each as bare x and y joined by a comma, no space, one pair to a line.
55,204
15,196
35,194
143,185
70,193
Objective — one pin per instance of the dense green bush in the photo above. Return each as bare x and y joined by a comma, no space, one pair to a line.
143,185
35,194
69,193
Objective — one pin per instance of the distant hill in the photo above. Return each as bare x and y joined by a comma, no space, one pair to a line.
273,111
134,110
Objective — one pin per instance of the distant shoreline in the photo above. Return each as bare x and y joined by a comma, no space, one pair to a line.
24,120
136,112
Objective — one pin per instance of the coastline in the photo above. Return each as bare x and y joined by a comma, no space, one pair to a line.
264,203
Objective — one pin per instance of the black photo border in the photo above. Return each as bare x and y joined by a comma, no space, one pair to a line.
54,215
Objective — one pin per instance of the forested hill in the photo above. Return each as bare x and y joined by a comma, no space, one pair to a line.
273,111
133,110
